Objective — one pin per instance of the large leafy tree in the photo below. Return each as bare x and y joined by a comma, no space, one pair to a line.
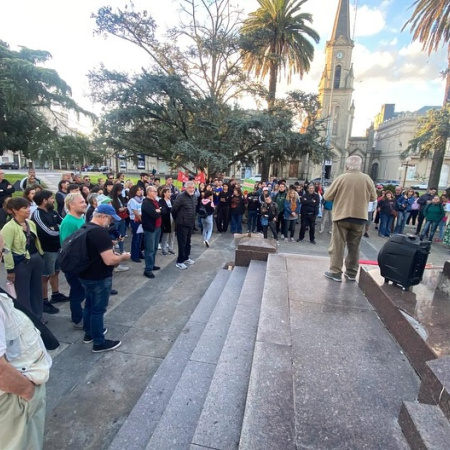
430,24
277,37
29,94
430,139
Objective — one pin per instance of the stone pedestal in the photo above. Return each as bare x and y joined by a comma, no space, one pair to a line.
444,283
253,247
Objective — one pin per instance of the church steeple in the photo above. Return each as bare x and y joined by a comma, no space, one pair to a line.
336,87
342,22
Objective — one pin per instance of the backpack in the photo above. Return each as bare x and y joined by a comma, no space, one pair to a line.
73,256
202,213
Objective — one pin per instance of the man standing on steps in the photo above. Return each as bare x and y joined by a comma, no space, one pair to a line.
183,212
350,193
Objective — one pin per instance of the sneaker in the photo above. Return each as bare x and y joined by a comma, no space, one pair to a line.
366,234
207,243
320,231
282,236
165,253
333,276
171,252
49,308
159,246
78,326
106,346
88,338
181,266
291,240
156,268
121,268
189,262
313,242
149,274
137,260
286,239
113,292
59,298
299,240
349,277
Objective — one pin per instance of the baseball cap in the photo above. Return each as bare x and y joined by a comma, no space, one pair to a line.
265,188
108,210
103,199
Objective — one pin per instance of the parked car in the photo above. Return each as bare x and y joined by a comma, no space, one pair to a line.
92,168
104,169
256,178
326,181
9,165
380,184
420,186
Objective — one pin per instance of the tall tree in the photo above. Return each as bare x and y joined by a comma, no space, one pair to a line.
430,24
277,36
29,94
431,139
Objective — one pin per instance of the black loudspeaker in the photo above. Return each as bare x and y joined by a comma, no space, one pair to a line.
402,260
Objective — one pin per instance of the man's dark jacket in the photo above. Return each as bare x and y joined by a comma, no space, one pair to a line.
183,210
149,215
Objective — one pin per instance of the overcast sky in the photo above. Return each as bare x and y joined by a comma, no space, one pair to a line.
388,67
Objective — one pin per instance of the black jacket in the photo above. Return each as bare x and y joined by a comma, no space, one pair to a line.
166,214
47,226
310,204
150,216
5,192
183,210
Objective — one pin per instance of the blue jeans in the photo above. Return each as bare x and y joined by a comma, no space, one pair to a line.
236,223
97,297
385,224
121,227
401,220
136,240
207,224
252,221
76,296
431,226
151,241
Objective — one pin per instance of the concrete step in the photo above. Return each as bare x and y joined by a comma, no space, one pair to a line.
424,426
220,422
141,422
269,413
177,424
435,386
326,373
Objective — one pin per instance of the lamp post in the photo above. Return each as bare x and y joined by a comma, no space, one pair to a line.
406,165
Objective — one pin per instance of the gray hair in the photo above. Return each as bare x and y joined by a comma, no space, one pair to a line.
353,162
189,184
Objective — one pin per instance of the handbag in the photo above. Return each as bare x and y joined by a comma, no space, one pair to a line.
123,214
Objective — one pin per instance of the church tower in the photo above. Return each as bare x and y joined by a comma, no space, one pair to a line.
336,88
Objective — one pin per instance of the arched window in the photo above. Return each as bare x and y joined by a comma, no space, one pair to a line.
335,120
337,77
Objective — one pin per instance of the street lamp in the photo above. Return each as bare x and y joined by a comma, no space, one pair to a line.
406,165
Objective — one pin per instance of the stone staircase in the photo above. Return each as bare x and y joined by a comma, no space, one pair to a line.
426,423
276,357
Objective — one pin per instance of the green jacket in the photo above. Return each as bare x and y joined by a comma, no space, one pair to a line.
16,242
434,212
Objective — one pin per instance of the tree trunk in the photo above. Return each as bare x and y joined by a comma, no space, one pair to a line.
265,167
447,78
436,166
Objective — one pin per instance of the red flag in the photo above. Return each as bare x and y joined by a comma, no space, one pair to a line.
200,178
182,177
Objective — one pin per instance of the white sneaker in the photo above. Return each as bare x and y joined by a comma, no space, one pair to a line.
207,243
189,262
181,266
121,268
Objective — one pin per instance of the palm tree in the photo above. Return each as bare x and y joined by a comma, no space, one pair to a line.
279,37
430,24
